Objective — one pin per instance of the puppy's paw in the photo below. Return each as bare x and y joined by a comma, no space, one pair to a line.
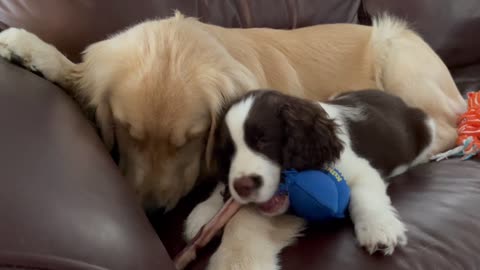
203,212
382,232
26,49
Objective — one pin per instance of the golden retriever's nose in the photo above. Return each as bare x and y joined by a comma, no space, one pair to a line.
246,185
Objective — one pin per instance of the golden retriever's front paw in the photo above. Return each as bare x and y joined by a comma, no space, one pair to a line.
26,49
203,212
381,232
16,45
235,260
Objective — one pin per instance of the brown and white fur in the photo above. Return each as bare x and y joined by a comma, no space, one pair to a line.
368,135
158,86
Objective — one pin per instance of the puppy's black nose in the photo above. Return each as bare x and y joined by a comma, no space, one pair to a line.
246,185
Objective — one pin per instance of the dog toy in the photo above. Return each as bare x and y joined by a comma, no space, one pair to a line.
468,140
316,195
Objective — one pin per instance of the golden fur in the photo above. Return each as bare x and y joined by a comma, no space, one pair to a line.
159,85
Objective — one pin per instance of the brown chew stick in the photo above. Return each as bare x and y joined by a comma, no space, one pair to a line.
206,233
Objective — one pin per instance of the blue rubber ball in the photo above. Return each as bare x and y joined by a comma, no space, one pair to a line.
316,195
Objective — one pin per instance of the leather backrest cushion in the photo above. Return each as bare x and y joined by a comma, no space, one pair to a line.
74,24
451,27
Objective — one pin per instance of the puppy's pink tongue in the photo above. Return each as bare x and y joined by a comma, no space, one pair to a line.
274,204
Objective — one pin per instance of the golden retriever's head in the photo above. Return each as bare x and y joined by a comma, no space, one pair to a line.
157,88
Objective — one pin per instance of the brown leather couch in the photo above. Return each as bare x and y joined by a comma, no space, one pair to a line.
64,205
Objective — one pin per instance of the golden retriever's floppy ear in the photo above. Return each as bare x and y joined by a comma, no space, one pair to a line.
211,142
104,120
229,84
97,72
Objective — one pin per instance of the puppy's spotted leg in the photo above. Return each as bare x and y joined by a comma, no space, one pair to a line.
203,212
26,49
376,222
252,241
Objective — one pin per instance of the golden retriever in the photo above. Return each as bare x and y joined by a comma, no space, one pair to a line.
158,87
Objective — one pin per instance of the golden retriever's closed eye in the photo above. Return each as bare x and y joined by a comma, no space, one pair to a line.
159,86
162,92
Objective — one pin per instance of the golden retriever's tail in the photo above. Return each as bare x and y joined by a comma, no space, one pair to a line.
386,30
386,27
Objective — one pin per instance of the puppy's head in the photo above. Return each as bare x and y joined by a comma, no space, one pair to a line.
265,132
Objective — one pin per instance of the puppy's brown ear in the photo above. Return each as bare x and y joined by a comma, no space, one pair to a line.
104,119
311,140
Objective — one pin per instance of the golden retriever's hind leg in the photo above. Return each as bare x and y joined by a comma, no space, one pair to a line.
432,97
446,135
427,92
407,67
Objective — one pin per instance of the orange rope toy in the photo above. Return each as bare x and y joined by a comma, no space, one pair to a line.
468,130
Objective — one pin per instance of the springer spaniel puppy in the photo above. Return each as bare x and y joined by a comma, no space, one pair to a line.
367,135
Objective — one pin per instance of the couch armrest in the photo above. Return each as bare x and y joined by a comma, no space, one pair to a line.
64,204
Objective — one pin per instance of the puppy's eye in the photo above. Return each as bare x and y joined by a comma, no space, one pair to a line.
262,142
259,138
